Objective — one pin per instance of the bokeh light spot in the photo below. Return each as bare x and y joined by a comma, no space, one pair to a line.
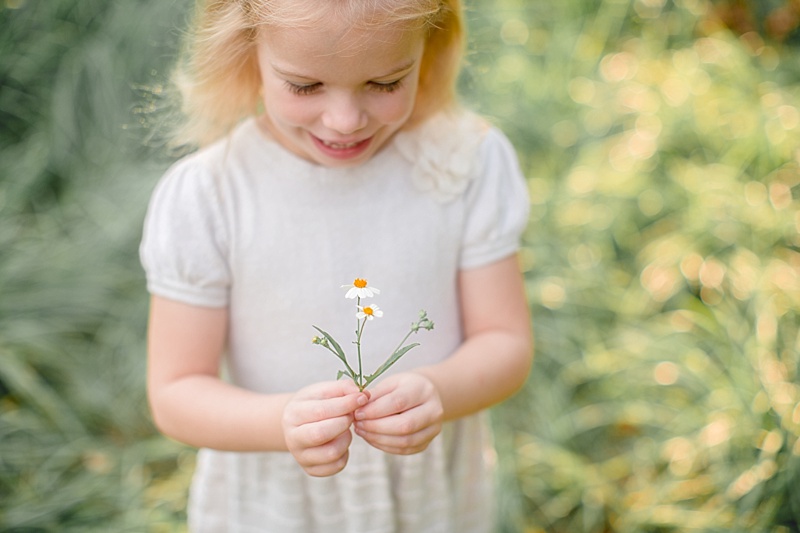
676,91
650,202
514,31
717,432
770,441
712,273
780,195
666,373
618,67
690,266
582,180
660,281
565,133
755,193
553,294
581,90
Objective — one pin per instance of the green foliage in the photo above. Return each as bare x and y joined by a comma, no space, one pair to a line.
662,266
77,450
661,261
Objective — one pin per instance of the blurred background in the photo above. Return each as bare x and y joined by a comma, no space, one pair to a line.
662,260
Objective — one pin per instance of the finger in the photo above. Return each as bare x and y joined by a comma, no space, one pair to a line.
426,410
400,424
309,411
389,404
404,444
327,389
328,469
331,453
404,423
321,432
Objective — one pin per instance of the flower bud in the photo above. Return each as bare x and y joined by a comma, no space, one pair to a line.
322,341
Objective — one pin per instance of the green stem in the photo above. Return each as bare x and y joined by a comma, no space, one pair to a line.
359,331
361,325
352,373
402,342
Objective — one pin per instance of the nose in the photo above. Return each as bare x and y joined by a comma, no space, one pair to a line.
344,114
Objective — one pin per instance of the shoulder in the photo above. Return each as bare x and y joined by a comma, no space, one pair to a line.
450,150
207,169
237,144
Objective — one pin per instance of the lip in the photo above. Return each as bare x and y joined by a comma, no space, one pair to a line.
342,151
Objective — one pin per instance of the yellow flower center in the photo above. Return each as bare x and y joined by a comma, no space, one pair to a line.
368,311
360,283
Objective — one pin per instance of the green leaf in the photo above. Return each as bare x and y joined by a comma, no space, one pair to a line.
335,345
389,362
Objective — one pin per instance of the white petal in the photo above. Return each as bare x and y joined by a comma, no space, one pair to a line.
352,293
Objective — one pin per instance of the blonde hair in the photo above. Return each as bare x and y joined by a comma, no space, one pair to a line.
218,77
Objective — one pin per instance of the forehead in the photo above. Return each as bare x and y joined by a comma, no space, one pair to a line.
336,46
342,25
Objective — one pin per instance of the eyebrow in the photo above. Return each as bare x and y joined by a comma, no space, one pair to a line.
289,73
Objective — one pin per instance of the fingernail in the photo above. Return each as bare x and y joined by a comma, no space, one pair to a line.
359,415
362,399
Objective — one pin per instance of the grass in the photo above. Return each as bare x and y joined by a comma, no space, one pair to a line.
78,450
662,268
661,263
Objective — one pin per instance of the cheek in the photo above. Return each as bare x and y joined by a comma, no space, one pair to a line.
285,107
288,109
397,108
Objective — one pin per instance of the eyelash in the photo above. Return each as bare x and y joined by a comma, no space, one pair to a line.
304,90
301,90
387,87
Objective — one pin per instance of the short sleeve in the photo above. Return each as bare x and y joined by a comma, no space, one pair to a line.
183,243
497,204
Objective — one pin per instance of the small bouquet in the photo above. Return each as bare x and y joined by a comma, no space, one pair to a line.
358,290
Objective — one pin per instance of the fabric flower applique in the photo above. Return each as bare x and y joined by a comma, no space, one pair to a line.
443,151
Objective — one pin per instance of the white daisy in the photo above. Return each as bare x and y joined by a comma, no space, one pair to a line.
369,312
360,289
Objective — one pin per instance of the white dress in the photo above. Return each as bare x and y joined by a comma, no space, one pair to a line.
248,225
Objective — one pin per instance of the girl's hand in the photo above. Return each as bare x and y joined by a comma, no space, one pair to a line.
403,416
316,425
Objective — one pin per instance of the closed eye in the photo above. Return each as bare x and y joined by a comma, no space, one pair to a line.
302,90
311,88
386,87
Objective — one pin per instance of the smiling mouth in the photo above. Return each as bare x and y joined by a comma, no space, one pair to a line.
340,146
343,151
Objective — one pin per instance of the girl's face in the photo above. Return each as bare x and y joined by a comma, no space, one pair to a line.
335,95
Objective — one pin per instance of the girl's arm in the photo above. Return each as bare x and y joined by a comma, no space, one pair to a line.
494,361
190,403
492,364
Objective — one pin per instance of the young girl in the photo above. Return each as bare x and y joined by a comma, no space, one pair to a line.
332,149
